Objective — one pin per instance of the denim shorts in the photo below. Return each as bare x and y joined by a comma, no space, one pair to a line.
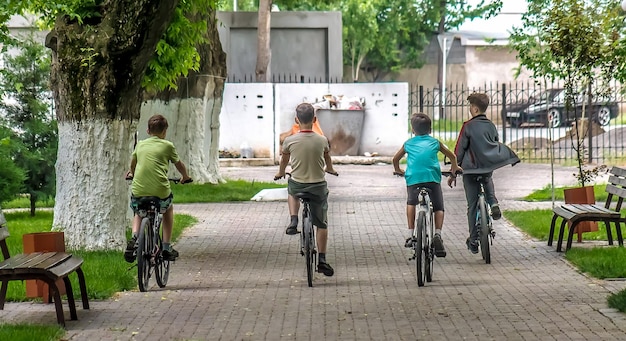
164,203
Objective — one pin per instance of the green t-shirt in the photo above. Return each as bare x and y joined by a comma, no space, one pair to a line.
153,156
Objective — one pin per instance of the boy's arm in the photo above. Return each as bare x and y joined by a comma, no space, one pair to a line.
180,166
133,165
396,160
454,166
329,163
284,160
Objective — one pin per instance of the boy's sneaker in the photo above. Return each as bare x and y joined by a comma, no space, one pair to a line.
440,251
325,268
170,254
495,212
292,229
472,245
131,250
408,242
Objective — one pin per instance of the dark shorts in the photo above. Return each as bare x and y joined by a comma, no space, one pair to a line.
436,196
165,203
319,205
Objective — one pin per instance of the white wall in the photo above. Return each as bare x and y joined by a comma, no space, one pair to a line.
256,113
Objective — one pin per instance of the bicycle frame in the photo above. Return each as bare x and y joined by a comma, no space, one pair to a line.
149,258
423,233
307,239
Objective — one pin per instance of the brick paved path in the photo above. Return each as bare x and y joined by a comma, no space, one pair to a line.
241,278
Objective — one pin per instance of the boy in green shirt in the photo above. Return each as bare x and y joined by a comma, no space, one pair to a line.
148,169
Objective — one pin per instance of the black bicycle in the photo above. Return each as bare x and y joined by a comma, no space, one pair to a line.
150,243
308,247
484,221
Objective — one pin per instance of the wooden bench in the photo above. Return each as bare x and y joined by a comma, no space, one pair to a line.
44,266
576,213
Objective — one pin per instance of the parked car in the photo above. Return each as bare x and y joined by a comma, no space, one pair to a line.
549,109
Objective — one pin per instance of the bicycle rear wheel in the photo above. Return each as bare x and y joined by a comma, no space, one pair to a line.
161,266
430,248
309,248
144,255
420,250
484,230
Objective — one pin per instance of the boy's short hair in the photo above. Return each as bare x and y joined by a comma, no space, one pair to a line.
479,99
157,124
421,124
305,113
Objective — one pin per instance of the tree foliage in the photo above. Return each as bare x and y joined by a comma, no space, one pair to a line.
175,54
27,105
11,176
384,36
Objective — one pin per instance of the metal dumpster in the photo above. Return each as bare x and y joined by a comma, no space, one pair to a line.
343,129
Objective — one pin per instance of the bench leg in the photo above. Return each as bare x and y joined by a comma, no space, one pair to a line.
3,293
83,288
70,298
609,234
551,234
618,231
559,242
570,235
58,306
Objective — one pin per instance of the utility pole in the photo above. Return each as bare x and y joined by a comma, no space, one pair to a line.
441,30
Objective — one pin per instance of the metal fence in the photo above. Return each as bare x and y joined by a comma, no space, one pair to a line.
535,139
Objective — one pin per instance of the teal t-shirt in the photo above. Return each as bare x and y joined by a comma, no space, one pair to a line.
422,164
153,156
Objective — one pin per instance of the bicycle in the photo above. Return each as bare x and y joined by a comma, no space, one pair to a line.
484,221
150,242
307,237
422,239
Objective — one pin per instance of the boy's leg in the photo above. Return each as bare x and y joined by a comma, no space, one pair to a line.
294,208
410,219
490,194
472,188
131,245
168,224
322,240
440,250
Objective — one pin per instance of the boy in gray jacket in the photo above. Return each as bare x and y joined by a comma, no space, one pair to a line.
479,152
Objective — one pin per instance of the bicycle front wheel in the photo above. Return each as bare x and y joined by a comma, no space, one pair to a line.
309,248
484,230
161,266
419,247
144,255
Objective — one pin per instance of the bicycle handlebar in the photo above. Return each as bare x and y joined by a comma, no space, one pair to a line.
289,174
449,173
174,180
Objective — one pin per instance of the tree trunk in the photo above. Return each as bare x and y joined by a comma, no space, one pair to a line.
33,202
263,51
97,68
193,110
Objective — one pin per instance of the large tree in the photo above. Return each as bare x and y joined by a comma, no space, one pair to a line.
104,54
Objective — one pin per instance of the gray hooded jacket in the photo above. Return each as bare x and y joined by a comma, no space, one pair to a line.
478,149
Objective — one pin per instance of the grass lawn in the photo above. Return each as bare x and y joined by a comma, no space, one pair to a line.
599,262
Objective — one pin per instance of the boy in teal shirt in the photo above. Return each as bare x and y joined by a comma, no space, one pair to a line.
423,170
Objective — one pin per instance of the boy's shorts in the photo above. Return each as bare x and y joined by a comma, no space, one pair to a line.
436,196
164,203
319,204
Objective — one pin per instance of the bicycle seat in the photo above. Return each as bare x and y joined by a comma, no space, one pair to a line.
305,196
146,202
428,190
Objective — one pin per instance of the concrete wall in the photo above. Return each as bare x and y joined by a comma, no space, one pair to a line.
303,44
256,113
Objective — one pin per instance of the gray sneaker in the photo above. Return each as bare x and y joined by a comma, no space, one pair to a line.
472,245
440,251
495,212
